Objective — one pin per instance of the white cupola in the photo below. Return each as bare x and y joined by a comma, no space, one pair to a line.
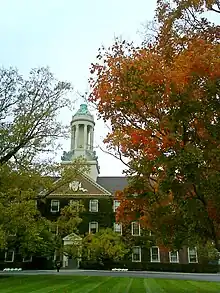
82,140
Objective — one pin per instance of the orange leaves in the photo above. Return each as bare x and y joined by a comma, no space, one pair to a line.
132,209
197,4
140,137
137,90
199,59
144,77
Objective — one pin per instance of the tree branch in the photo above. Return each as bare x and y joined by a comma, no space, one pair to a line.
215,10
119,157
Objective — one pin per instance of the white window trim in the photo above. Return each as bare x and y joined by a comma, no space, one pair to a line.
27,260
114,207
120,230
132,229
177,254
93,223
97,205
189,256
52,205
139,254
152,254
13,256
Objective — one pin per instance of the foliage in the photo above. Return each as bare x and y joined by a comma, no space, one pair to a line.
69,219
208,253
25,229
29,128
28,111
104,245
66,224
162,101
105,217
74,251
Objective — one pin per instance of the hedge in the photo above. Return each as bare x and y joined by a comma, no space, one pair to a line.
147,266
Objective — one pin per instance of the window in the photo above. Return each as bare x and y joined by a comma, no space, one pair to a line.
9,255
93,227
174,256
55,206
27,258
93,205
192,255
116,205
136,254
135,229
154,254
118,228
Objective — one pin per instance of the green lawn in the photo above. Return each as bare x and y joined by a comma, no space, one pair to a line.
81,284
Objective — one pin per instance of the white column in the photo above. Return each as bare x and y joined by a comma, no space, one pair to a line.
65,261
91,138
72,137
85,136
77,136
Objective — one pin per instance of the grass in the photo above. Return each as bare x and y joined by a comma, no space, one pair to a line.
83,284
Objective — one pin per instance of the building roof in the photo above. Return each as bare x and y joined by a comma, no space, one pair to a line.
113,184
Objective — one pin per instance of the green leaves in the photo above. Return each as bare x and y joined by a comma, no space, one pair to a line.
69,219
29,127
104,245
29,110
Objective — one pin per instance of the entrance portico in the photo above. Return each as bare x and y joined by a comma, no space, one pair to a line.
72,262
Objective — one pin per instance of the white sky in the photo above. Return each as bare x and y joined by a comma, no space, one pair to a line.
65,35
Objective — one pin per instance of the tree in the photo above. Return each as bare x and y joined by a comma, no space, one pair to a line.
29,128
66,224
104,246
28,112
207,253
162,101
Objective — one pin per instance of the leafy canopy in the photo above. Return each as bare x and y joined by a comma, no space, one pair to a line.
29,128
104,245
162,101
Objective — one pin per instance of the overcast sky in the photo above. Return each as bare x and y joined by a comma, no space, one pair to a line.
65,35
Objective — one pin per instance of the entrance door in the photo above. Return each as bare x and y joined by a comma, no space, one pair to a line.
72,263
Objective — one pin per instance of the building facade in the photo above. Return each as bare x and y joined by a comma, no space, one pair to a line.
97,194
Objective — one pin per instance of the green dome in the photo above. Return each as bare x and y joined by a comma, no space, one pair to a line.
83,110
83,113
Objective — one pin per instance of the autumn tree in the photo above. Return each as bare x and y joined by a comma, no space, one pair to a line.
162,102
29,137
